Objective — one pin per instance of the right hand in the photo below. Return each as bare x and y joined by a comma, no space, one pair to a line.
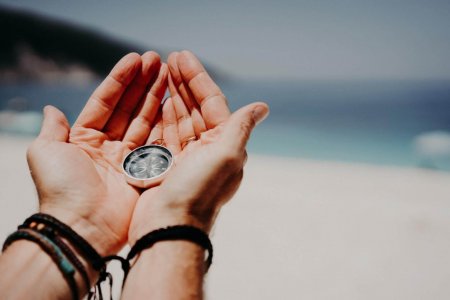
208,171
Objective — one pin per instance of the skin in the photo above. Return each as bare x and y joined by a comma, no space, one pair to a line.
92,196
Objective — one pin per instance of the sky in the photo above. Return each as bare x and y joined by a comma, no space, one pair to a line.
314,39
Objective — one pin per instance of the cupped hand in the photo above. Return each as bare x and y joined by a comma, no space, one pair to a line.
209,146
77,170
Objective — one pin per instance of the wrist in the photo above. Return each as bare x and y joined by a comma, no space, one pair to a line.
84,226
161,218
24,268
156,269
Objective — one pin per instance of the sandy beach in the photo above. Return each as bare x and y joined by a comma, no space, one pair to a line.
302,229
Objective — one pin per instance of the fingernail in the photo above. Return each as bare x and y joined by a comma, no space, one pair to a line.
260,113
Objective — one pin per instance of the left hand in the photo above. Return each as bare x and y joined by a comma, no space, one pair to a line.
77,171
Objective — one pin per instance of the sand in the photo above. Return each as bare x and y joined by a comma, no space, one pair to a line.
302,229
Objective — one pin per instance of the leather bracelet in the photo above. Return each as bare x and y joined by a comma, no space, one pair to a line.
80,243
178,232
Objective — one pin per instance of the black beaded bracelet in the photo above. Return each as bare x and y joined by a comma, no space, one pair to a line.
178,232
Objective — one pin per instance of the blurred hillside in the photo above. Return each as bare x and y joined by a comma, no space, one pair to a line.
36,48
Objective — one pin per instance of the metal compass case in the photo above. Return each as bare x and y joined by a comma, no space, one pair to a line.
146,166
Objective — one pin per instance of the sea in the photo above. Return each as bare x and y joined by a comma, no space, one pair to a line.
366,121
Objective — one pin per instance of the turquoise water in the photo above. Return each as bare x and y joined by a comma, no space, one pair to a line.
365,121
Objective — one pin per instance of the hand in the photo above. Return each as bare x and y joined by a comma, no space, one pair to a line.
77,171
208,171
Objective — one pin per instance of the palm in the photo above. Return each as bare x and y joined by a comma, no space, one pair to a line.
96,170
196,109
90,173
194,114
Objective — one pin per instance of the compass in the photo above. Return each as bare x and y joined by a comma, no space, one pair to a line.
146,166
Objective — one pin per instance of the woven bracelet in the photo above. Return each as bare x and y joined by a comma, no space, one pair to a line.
171,233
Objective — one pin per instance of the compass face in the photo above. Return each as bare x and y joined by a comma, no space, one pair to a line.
147,162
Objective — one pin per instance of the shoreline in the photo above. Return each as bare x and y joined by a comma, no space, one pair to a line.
302,228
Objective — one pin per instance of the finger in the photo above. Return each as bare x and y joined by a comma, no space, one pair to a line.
179,85
240,125
170,127
120,119
183,98
55,126
213,104
184,120
139,129
102,102
156,132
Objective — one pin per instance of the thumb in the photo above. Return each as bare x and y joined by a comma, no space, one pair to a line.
55,126
241,123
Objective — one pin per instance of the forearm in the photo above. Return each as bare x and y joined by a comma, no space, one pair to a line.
27,271
167,270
